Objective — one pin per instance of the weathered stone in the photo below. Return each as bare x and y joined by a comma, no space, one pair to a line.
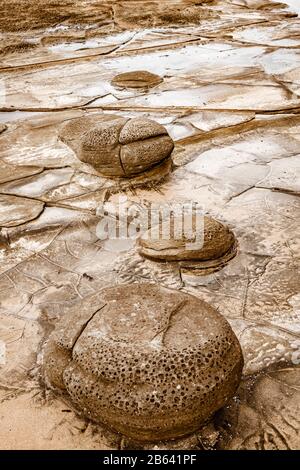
231,103
136,79
10,172
150,362
59,348
118,147
266,414
101,149
18,210
144,154
140,129
3,128
72,131
158,243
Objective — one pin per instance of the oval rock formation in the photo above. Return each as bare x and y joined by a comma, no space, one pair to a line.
205,240
149,362
118,147
136,79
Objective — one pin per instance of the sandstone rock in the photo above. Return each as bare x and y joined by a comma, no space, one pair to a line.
149,362
3,128
101,149
18,210
266,414
118,147
140,129
136,79
157,243
144,154
10,172
72,131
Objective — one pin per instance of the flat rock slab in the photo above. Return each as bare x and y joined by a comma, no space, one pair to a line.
230,100
17,210
11,173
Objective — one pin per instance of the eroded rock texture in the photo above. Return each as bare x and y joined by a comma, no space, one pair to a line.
136,79
16,210
3,128
267,415
151,363
119,147
230,101
200,238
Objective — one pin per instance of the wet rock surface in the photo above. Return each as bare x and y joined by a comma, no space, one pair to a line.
266,417
230,101
149,362
119,147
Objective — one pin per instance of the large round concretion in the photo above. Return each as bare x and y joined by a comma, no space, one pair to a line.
205,240
150,362
136,79
116,146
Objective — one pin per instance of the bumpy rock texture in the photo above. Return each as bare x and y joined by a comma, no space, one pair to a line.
136,79
203,239
150,362
230,100
118,147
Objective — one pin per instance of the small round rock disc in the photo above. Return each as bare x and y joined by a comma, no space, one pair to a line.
149,362
136,79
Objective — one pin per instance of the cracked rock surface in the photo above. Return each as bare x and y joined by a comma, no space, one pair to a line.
208,239
151,363
121,147
229,99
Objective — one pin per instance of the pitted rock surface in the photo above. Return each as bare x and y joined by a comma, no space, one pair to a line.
216,240
72,131
136,79
230,100
150,362
118,147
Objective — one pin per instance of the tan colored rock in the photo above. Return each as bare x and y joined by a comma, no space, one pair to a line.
10,172
72,131
149,362
3,128
144,154
158,243
136,79
16,210
101,149
266,414
118,147
140,129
